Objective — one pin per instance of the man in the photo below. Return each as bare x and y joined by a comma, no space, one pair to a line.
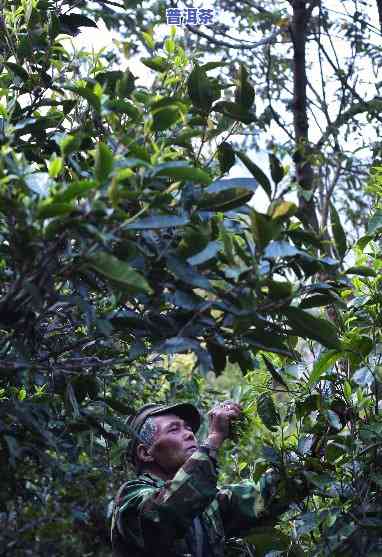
174,508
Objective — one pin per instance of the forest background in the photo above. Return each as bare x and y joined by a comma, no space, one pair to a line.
134,267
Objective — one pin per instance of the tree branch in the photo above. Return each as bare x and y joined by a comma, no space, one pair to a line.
379,6
347,116
246,46
269,97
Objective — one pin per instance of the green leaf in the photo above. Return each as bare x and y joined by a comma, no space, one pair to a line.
325,361
50,210
315,328
226,237
148,39
267,411
300,236
37,126
183,139
187,273
284,209
70,144
125,85
225,195
276,376
109,80
244,92
338,232
234,111
194,239
165,117
277,171
212,65
201,89
375,223
73,21
279,289
178,344
171,101
75,190
120,106
18,70
307,522
262,340
333,419
218,356
86,93
118,271
361,271
226,157
280,248
363,241
209,252
156,222
157,63
360,345
103,162
321,300
243,358
256,173
347,390
263,229
55,166
182,171
232,183
169,46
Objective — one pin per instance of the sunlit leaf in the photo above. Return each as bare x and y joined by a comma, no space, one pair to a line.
182,171
103,162
158,221
338,232
157,63
325,361
118,271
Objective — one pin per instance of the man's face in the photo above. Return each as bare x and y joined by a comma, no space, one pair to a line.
174,442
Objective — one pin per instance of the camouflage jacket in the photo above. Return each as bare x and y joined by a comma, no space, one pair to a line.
186,516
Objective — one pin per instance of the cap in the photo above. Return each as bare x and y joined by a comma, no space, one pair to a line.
185,410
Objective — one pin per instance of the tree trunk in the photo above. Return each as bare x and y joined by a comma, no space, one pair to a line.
379,5
301,15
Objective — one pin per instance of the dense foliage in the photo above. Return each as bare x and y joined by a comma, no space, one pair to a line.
315,65
131,271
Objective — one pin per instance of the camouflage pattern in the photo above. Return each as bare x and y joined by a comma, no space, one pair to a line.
156,518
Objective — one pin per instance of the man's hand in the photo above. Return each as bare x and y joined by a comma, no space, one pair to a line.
219,422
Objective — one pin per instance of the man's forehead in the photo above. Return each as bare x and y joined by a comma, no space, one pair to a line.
164,420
